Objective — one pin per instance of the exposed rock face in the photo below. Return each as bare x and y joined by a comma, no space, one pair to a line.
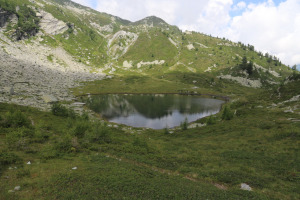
50,24
4,17
121,41
190,47
156,62
243,81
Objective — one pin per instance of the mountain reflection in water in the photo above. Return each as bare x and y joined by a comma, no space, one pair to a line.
152,111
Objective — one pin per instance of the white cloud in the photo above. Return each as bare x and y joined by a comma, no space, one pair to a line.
215,17
172,11
241,5
270,29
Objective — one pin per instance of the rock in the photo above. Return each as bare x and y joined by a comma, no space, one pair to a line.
156,62
11,91
49,98
78,104
38,14
244,186
52,25
4,16
190,47
17,188
127,64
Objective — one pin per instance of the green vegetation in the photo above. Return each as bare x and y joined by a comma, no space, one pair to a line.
28,23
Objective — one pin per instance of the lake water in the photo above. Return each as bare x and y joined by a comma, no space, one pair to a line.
152,111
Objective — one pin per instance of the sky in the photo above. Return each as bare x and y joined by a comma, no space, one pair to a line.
272,26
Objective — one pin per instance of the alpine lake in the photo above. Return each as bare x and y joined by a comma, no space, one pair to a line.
155,111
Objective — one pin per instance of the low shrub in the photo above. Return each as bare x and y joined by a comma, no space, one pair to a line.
59,110
227,113
184,125
19,138
81,127
64,144
15,119
7,158
99,134
211,120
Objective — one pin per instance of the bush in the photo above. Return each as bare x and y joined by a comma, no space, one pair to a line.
28,23
15,119
100,133
7,158
211,120
19,138
184,125
227,113
80,128
59,110
166,131
64,144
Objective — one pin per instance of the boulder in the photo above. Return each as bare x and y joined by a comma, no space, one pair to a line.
245,186
49,98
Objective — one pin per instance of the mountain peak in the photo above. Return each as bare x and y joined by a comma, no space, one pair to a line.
151,21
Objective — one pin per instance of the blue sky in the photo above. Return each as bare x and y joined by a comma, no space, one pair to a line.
234,13
270,25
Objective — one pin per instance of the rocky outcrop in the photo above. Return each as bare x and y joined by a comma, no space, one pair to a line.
243,81
5,17
50,24
156,62
119,44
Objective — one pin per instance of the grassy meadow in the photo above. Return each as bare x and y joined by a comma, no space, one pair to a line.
258,146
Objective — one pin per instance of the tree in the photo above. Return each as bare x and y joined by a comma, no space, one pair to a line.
244,61
249,68
294,67
246,66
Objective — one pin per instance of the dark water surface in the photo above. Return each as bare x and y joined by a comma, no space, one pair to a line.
152,111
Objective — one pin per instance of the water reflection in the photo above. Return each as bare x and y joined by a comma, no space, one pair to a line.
152,111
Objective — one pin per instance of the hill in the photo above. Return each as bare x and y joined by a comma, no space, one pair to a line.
57,51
